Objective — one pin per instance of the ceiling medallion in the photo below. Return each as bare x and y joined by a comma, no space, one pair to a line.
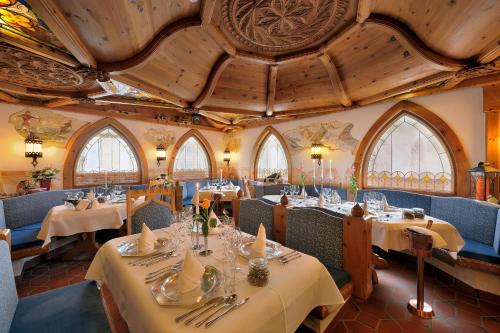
32,71
282,25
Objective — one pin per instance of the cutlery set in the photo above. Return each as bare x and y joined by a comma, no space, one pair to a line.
151,259
286,258
162,272
216,308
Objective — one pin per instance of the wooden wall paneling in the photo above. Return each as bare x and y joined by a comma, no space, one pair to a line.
215,73
208,149
81,136
457,29
182,64
491,98
335,78
304,84
235,93
116,30
272,76
493,138
459,159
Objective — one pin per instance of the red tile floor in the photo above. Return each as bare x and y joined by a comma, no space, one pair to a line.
458,308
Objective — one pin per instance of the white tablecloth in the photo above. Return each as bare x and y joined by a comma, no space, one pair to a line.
227,194
293,291
65,221
388,235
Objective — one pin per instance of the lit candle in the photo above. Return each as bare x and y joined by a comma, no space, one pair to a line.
330,170
314,169
321,169
197,198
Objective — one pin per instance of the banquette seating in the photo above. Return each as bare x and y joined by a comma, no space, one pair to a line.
275,189
189,188
477,222
76,308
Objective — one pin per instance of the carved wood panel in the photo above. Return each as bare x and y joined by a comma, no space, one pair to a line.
30,70
282,25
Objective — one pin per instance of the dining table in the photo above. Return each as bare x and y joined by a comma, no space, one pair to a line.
293,291
388,227
65,220
228,193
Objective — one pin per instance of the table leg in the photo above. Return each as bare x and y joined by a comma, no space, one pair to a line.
379,262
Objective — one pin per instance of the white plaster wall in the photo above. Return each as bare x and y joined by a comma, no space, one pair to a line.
461,109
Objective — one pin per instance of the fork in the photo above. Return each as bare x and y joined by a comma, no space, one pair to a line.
287,260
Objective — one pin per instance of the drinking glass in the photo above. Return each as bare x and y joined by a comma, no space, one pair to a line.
336,199
229,270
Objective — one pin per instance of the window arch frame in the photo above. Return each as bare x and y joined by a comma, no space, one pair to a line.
269,130
212,173
458,159
82,136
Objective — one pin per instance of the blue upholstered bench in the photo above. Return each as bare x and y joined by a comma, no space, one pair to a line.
76,308
477,222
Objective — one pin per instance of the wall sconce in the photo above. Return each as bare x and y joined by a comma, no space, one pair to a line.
227,156
316,150
161,153
33,148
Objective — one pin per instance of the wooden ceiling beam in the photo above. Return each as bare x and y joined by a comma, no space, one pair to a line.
8,98
54,17
272,78
151,89
130,101
220,38
364,10
234,111
490,53
143,55
214,76
411,41
337,85
55,103
207,12
215,117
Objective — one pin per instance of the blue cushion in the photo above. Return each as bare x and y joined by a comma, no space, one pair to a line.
25,235
187,201
8,293
474,220
340,277
16,214
76,309
479,251
402,199
2,216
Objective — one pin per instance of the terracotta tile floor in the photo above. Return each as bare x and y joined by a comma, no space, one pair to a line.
458,308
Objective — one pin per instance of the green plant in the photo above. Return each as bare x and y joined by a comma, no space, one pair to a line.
353,185
45,173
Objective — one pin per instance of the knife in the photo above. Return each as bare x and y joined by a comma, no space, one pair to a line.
234,307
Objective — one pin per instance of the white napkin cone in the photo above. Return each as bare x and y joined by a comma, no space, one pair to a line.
91,196
231,185
213,231
192,272
248,195
259,246
95,204
365,209
321,201
386,205
83,204
147,240
437,239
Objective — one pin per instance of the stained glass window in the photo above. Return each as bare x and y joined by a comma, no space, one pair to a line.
410,155
271,158
191,161
107,157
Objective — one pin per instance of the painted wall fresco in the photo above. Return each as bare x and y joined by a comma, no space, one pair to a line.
53,128
160,135
333,135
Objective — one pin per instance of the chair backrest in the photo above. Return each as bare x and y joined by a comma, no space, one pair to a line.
316,233
156,210
8,293
253,212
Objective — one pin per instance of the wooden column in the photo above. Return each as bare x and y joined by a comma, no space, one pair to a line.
178,196
491,107
279,215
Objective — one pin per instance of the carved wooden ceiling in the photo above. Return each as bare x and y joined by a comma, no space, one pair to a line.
231,64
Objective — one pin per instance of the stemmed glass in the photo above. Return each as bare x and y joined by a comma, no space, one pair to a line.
336,199
327,194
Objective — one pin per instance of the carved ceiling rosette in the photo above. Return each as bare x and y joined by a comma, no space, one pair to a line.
282,25
32,71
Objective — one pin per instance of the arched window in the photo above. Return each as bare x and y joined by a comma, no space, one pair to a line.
191,161
410,155
107,157
271,157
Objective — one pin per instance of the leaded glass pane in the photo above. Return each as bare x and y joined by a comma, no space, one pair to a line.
191,161
272,159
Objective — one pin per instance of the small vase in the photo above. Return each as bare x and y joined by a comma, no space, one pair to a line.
303,193
45,183
206,252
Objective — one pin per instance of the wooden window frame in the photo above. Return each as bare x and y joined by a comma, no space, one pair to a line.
212,173
258,147
459,161
80,138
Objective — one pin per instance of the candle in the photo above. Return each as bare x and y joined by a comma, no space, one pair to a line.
197,198
105,179
321,169
314,169
330,170
220,174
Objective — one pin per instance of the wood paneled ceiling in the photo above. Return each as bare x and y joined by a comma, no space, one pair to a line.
231,64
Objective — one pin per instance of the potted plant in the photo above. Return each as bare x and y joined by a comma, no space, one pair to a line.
44,176
302,180
206,222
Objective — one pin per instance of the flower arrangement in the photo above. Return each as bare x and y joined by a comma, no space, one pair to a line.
353,181
45,173
302,175
204,217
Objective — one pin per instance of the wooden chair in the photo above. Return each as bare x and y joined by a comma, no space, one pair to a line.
156,210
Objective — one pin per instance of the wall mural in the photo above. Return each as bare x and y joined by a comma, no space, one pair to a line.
53,128
334,135
160,135
232,141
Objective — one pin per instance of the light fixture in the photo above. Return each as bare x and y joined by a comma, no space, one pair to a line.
227,156
161,153
33,148
316,149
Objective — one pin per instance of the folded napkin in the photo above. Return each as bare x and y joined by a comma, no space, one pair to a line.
83,204
231,185
91,196
259,246
94,204
212,231
365,209
321,201
192,272
437,239
246,189
147,240
386,205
